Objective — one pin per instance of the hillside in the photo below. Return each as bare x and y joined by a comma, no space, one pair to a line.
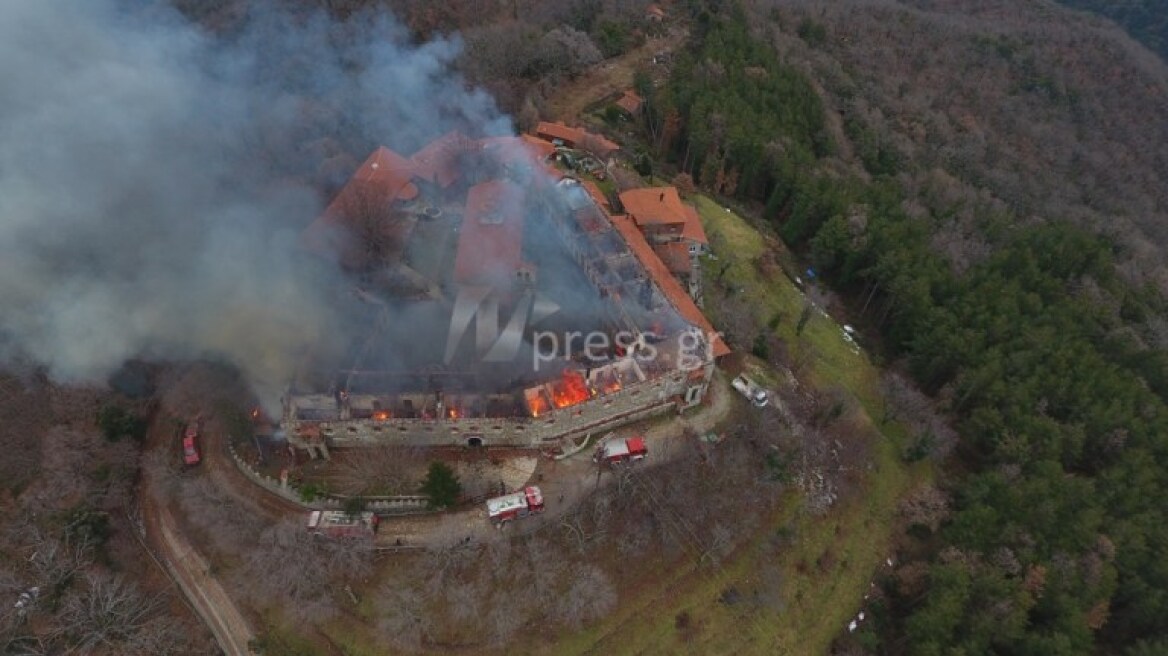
1145,20
984,184
1005,106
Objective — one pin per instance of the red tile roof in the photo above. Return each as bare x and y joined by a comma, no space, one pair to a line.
384,177
439,162
630,102
669,285
518,151
541,147
576,138
662,205
570,136
598,144
693,229
490,241
675,255
596,194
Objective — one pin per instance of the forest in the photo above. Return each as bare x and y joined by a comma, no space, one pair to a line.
1144,19
1024,326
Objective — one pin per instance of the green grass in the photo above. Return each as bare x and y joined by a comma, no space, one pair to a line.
815,605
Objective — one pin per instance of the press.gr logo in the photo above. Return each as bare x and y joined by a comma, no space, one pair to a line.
479,306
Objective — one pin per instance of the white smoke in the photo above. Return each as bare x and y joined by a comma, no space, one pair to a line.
153,177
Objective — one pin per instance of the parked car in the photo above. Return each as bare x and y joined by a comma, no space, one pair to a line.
751,390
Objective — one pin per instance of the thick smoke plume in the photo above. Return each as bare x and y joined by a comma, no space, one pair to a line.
153,177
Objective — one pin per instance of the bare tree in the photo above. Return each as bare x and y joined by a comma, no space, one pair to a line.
927,506
568,51
464,600
55,562
504,619
403,618
216,514
23,409
113,615
900,398
302,570
589,597
381,471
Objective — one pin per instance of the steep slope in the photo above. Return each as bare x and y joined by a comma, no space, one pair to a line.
1145,20
1009,106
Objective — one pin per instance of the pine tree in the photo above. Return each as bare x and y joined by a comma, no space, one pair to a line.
441,485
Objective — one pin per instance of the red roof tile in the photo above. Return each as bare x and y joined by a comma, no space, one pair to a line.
597,195
675,255
693,229
439,162
663,206
668,285
570,136
598,144
630,102
384,177
490,241
543,148
517,151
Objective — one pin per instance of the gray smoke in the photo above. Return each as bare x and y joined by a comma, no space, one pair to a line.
153,177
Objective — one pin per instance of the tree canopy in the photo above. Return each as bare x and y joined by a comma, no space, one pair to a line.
441,485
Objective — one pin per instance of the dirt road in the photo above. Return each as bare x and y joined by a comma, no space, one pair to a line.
185,565
192,573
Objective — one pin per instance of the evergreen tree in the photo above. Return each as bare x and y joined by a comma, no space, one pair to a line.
441,485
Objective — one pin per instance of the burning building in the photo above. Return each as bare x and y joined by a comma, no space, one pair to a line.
499,304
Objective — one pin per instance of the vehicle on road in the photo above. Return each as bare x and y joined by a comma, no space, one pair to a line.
621,451
190,444
340,524
516,505
751,390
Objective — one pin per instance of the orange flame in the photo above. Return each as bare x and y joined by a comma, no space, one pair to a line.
538,405
381,415
453,413
570,390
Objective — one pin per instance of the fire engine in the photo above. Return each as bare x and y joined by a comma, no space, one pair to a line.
618,452
340,524
190,443
515,505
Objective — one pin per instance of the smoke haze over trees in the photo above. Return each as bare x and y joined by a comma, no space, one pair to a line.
154,177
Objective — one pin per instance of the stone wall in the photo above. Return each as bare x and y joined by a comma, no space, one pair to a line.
658,395
405,504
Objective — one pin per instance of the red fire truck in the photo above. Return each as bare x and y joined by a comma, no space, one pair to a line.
515,505
621,451
190,443
340,524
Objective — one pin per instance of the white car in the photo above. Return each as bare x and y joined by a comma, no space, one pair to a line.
751,390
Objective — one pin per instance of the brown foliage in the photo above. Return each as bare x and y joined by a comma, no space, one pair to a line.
999,106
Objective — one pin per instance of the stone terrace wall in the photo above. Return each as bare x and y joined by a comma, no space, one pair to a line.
380,505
